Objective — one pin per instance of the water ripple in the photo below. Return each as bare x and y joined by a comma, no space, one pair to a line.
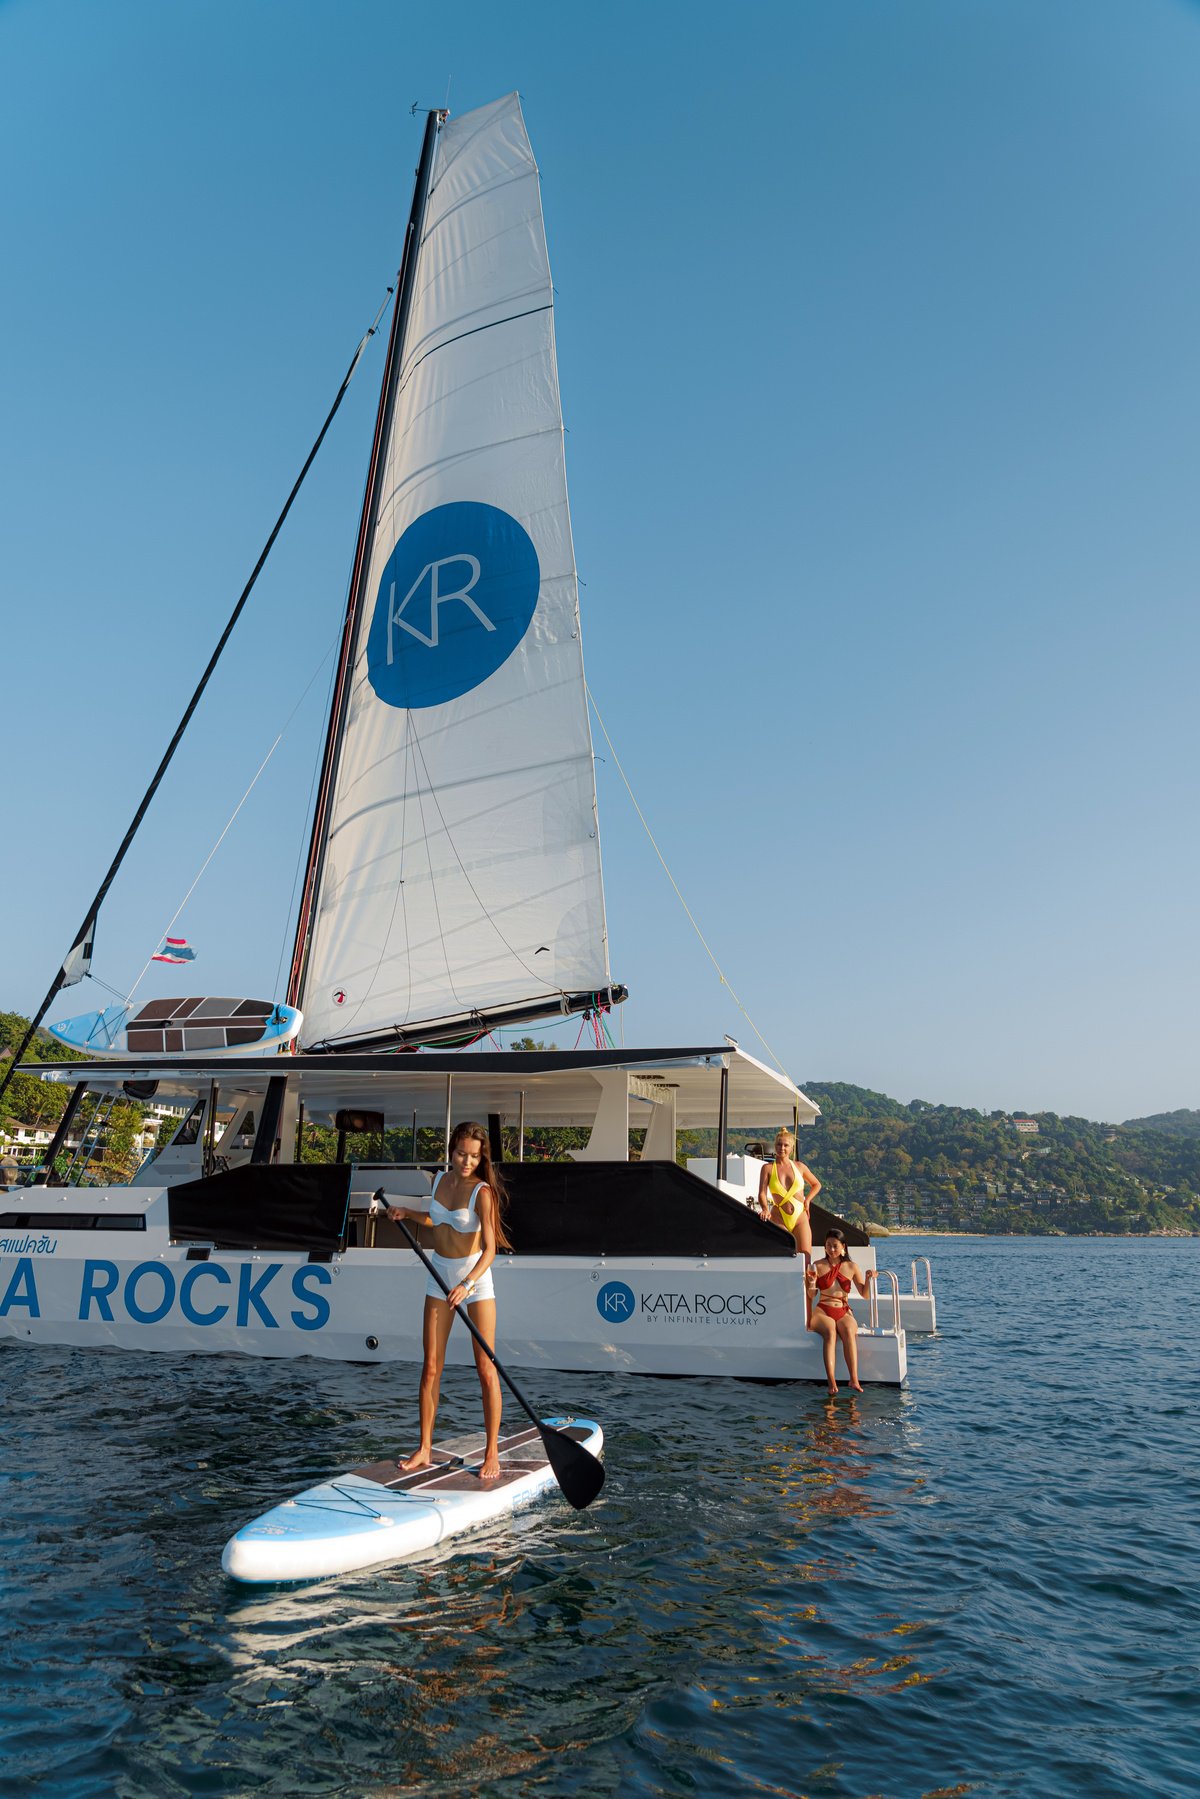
980,1585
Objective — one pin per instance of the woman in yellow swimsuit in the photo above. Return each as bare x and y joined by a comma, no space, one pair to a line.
786,1189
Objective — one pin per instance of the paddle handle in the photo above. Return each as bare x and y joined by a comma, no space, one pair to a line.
482,1341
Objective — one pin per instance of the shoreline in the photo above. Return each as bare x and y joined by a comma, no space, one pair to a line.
1058,1236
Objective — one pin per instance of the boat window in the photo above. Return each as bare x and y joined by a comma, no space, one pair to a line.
189,1130
72,1221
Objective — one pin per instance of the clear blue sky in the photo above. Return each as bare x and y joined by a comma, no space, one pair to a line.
879,354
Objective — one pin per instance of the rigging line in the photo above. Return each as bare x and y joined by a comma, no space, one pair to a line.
304,832
386,938
403,898
679,896
398,899
233,815
115,991
533,973
93,910
433,894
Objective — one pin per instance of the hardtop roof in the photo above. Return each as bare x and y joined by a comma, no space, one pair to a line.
559,1086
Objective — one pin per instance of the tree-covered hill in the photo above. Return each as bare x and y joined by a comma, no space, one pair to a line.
952,1168
44,1047
28,1100
1184,1123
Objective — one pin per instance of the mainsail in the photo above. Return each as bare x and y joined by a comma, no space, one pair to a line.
456,867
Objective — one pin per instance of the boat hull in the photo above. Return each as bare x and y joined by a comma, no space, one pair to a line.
735,1317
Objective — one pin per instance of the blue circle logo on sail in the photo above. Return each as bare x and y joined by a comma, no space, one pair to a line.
457,596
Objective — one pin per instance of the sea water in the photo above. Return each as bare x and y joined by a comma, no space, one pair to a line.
984,1583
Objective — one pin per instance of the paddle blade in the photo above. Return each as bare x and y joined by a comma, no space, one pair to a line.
576,1469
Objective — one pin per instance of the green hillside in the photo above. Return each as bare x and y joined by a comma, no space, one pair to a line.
1184,1123
950,1168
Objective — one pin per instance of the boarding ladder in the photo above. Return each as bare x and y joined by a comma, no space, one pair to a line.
89,1141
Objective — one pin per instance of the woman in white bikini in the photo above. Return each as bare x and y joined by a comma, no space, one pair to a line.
465,1217
786,1189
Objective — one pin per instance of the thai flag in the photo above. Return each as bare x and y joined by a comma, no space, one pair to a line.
174,949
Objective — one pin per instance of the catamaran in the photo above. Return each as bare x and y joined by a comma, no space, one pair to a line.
453,887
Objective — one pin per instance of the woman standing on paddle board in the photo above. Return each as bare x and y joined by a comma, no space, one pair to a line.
465,1214
829,1283
787,1188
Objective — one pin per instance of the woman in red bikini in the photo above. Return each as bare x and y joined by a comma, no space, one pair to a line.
830,1283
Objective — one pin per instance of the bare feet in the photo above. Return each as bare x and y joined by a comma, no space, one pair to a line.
409,1464
833,1387
854,1387
491,1467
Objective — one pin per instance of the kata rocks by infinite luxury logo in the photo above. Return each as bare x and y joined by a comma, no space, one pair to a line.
618,1303
456,597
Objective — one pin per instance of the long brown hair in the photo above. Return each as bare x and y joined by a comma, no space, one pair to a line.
486,1172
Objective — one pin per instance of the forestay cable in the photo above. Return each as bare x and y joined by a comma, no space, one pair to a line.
79,956
233,815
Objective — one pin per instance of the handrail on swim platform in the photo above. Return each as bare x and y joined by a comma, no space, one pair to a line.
928,1293
885,1274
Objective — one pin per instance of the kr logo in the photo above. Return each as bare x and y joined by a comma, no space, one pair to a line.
615,1302
429,584
457,595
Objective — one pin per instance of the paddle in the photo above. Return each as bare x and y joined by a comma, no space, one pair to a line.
576,1469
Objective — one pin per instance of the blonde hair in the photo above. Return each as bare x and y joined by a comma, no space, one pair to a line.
783,1135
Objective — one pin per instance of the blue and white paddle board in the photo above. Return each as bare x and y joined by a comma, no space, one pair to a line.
182,1027
377,1514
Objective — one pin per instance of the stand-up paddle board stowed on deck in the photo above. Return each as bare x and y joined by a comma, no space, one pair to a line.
377,1514
182,1027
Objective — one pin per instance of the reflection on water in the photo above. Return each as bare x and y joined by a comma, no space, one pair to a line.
776,1593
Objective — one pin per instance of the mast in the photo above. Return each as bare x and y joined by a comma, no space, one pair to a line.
453,880
406,283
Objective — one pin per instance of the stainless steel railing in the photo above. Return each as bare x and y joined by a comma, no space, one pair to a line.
889,1275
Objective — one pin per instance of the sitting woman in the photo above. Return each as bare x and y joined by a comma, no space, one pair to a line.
829,1283
786,1189
466,1218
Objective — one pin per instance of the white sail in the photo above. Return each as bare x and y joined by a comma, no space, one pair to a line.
461,867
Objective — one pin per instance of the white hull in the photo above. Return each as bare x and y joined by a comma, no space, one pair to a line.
742,1317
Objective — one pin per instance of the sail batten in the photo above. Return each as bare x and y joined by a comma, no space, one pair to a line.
460,869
